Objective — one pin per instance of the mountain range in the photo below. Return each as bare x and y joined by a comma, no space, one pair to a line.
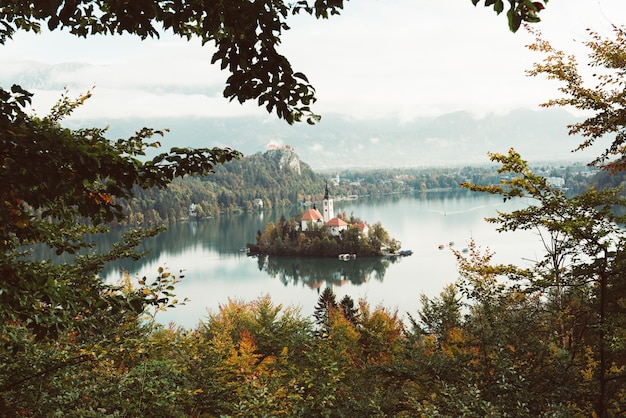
339,142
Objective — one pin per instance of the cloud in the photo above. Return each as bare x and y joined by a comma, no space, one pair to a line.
112,103
402,59
316,148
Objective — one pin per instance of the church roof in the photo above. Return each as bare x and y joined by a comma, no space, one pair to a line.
336,222
311,215
360,225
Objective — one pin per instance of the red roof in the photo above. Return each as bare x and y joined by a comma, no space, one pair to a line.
336,222
311,215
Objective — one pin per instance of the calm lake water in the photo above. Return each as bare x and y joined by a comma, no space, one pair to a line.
215,269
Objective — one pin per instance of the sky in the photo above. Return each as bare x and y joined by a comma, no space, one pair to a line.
397,59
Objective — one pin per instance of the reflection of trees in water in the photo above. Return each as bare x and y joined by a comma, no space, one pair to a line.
442,196
225,234
314,272
228,234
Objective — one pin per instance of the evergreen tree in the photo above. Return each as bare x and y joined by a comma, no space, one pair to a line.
349,310
324,310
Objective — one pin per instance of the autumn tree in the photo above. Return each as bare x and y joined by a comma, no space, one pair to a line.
577,284
249,358
601,94
59,185
579,274
439,317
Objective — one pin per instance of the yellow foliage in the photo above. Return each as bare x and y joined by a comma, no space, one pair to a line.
592,364
615,369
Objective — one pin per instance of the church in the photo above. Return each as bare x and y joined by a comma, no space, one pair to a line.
312,218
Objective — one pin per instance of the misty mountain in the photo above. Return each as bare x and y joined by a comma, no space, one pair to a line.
342,142
339,141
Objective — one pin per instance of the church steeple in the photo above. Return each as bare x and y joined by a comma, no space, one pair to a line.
328,212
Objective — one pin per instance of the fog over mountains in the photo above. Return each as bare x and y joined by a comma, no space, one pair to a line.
341,142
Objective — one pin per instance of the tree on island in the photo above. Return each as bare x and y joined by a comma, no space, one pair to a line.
287,239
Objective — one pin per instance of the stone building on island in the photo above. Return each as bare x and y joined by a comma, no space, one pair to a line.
312,218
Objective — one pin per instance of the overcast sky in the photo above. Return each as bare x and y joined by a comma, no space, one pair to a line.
400,58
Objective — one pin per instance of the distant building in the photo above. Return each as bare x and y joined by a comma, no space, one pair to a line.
272,145
336,226
556,181
258,203
311,219
192,211
362,227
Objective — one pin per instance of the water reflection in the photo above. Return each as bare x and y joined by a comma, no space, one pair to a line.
223,236
216,270
315,272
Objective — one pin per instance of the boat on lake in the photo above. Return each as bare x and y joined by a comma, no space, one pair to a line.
346,257
406,252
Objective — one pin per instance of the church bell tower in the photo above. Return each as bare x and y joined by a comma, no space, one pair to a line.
328,212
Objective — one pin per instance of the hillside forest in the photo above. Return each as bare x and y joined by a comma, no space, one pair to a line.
548,340
280,179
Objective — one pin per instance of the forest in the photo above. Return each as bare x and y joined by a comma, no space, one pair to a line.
234,186
502,341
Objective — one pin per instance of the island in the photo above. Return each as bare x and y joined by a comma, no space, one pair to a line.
322,234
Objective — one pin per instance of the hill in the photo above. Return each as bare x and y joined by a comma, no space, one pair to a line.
278,177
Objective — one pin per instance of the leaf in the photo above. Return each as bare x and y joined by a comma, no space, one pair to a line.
499,6
515,20
301,76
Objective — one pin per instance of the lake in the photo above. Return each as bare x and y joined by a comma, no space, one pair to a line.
216,269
